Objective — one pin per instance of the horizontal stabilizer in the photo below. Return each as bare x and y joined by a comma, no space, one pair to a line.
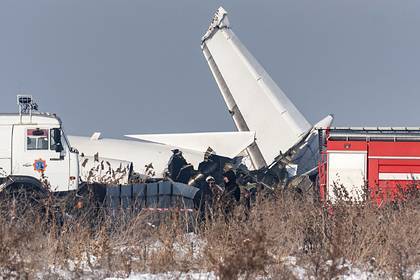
228,144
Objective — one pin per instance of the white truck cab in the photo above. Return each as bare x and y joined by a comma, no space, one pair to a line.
34,145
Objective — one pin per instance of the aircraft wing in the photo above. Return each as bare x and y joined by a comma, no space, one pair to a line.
228,144
141,154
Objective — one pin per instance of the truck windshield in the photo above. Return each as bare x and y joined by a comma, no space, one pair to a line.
37,139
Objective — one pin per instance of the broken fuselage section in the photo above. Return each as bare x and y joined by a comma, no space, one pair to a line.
274,141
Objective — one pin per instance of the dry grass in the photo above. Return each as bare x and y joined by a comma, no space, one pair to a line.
386,240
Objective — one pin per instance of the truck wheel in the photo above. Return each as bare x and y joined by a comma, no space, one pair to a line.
21,197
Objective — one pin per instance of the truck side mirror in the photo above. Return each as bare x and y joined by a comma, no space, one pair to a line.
59,148
57,140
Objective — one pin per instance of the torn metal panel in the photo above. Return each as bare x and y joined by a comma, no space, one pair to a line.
305,154
179,170
301,184
219,20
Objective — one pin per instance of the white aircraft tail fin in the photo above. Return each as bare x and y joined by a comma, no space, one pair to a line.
254,100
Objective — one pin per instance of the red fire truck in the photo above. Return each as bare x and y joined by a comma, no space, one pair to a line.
385,160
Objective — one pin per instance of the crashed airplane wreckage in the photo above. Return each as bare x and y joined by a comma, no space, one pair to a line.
274,141
274,145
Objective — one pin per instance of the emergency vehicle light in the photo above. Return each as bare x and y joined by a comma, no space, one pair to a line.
24,99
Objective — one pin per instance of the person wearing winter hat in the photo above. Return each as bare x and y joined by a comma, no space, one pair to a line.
232,193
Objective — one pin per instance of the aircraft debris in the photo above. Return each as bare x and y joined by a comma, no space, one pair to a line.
105,171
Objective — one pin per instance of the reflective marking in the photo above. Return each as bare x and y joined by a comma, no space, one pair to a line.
392,157
347,151
399,176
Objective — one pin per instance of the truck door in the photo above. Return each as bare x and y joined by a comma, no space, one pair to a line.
38,152
5,150
347,170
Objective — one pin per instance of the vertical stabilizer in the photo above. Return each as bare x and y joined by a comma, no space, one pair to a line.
254,100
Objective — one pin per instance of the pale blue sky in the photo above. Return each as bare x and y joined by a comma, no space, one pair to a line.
126,66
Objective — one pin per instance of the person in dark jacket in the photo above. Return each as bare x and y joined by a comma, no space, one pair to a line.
232,193
203,198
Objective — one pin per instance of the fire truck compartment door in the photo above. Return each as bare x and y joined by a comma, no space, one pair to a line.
5,149
346,170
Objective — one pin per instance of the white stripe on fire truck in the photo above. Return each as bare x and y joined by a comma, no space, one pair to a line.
399,176
392,157
347,151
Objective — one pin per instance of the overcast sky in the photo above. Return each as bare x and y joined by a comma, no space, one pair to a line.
136,66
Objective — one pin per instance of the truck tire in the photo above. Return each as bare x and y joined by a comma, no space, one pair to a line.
27,181
22,195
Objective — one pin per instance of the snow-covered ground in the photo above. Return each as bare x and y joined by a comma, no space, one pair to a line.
169,276
87,267
299,273
351,273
